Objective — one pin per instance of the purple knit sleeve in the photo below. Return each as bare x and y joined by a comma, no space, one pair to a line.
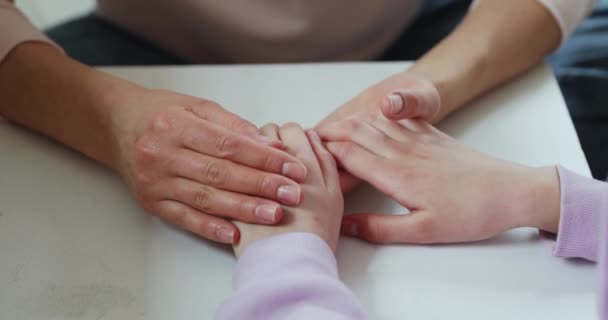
583,227
582,205
290,276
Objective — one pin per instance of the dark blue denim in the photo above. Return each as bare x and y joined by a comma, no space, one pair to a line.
581,68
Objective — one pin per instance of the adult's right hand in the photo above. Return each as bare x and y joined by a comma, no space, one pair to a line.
194,164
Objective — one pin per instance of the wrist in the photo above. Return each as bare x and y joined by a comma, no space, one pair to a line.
118,103
47,91
541,200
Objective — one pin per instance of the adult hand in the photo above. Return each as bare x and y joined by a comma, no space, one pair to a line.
194,164
453,193
321,211
402,95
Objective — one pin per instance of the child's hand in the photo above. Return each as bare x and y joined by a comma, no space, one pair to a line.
321,211
454,193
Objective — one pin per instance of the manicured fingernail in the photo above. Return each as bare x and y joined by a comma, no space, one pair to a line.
225,234
295,171
267,212
289,194
350,228
396,103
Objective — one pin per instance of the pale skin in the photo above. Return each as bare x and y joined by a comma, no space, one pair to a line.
454,193
321,211
182,156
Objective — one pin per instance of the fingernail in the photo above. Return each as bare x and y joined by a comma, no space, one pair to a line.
396,103
295,171
350,228
289,194
224,234
267,212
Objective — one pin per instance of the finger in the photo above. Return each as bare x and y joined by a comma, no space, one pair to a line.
328,165
361,132
415,227
296,143
212,112
386,176
394,129
347,181
225,204
210,139
230,176
202,224
271,130
420,102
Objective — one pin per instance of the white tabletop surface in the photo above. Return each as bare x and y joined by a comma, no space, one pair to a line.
74,244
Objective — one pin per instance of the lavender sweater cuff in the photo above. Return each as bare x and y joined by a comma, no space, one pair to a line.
581,205
292,276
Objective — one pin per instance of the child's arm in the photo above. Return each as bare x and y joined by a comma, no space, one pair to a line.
290,276
288,271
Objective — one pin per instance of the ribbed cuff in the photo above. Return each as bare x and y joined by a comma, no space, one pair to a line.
290,251
581,203
16,29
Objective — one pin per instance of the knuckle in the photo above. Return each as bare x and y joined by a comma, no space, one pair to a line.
143,179
272,162
178,217
202,199
145,201
215,173
355,124
240,125
146,150
375,232
226,146
161,121
266,185
244,207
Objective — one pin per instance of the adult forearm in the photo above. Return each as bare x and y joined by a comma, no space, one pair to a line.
496,41
48,92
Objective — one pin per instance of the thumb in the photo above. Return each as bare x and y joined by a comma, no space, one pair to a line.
414,227
419,102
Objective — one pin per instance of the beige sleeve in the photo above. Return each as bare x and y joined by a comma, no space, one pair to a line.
15,28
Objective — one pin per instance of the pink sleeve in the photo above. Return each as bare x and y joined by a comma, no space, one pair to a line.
16,29
568,13
583,202
292,276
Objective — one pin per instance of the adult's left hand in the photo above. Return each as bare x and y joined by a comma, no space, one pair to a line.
402,95
453,193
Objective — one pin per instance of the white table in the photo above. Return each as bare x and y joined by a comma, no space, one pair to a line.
74,245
